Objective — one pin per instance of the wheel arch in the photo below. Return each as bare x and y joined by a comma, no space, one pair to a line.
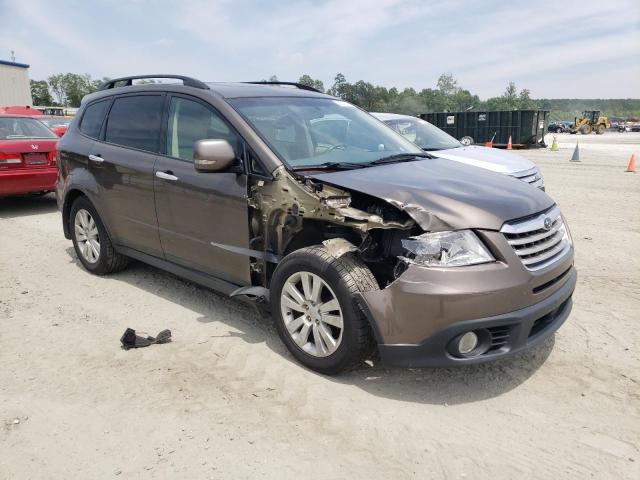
70,197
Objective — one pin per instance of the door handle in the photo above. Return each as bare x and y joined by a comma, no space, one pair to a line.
168,175
96,158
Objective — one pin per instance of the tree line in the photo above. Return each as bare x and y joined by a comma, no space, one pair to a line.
67,89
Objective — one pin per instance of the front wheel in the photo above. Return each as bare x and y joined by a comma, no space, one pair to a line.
315,311
466,140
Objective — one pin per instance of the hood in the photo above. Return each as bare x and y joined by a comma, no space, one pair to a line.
25,145
494,159
444,195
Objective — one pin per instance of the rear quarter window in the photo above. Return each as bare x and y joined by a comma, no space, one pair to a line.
93,117
134,121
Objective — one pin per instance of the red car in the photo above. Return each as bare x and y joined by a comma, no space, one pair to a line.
57,124
27,156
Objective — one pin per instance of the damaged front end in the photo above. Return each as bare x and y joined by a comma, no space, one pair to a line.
294,211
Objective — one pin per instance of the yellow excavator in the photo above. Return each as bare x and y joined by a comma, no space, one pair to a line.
591,121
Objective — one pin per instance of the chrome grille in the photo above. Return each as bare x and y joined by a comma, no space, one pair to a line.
538,245
531,176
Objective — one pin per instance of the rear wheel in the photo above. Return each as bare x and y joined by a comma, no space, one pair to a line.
466,140
600,129
315,311
91,240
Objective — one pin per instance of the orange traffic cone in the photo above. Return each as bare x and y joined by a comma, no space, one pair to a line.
509,145
489,144
632,164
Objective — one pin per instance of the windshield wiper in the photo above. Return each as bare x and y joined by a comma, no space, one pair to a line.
333,165
400,157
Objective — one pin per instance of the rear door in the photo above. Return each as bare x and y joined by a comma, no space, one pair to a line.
122,164
200,215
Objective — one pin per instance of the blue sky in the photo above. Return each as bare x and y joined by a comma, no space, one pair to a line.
557,49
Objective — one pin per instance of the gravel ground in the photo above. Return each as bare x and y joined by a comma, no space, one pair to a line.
225,399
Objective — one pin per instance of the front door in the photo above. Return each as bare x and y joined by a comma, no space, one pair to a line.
200,214
123,166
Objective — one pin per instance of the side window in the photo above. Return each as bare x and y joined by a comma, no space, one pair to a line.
93,118
191,121
135,122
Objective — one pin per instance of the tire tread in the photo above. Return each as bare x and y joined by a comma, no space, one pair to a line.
357,278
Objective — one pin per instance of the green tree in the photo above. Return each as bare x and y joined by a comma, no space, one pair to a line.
310,82
70,88
525,102
340,86
512,100
40,92
448,85
56,84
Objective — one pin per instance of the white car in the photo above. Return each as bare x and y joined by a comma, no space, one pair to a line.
440,144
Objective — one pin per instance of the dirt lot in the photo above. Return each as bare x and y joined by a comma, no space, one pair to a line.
225,399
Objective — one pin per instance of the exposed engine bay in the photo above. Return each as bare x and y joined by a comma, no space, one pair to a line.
294,211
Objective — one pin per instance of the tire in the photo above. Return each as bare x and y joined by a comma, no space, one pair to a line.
466,141
107,260
600,129
342,278
585,130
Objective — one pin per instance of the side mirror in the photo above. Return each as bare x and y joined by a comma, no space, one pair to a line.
212,155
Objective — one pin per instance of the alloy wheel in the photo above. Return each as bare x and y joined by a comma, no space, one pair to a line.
87,237
311,314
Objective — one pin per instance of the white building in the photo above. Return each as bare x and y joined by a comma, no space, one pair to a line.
14,84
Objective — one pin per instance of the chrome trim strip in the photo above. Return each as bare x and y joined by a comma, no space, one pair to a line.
525,173
536,223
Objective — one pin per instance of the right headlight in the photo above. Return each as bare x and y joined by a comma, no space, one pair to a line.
446,249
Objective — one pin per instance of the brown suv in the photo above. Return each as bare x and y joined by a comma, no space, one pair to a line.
352,235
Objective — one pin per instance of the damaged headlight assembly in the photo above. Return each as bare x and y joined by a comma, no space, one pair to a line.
446,249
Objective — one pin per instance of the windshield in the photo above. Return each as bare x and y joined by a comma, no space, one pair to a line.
307,132
423,134
12,128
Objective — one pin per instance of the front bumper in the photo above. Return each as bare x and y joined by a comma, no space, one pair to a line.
19,181
416,318
504,335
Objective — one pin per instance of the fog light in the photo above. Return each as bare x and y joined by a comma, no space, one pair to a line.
467,343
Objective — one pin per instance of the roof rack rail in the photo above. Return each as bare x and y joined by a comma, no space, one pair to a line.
128,81
293,84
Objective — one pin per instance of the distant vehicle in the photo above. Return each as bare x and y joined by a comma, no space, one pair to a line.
57,111
20,110
440,144
51,111
27,156
557,127
58,125
590,121
629,127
